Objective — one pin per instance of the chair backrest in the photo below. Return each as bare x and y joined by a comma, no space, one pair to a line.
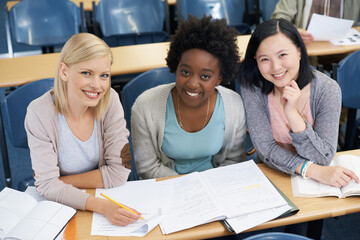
231,10
267,7
276,236
130,16
13,109
141,83
347,77
44,22
133,89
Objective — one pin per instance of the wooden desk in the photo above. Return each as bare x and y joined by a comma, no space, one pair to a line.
319,48
127,59
310,209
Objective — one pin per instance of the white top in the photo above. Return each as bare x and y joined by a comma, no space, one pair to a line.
76,156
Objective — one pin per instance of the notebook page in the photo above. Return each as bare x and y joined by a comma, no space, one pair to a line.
14,205
193,205
353,163
242,188
45,221
312,188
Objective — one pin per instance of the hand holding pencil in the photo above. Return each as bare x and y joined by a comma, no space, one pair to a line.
129,214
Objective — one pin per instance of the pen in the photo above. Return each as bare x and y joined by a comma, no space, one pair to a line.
119,204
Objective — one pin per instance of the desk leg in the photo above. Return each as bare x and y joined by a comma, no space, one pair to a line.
314,229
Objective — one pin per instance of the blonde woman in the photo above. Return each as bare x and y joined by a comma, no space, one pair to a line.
77,132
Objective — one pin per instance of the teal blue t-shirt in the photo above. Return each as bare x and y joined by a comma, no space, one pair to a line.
193,151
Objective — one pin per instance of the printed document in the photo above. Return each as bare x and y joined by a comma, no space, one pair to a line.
145,196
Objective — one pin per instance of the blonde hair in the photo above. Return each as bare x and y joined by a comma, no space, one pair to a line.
80,47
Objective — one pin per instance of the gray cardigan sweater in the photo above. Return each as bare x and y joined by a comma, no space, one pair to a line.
147,130
41,124
317,144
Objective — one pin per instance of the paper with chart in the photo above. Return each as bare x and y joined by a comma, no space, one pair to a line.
325,28
146,196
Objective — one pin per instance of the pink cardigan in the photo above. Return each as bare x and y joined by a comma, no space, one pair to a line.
41,124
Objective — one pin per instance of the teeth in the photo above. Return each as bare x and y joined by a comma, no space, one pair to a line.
91,94
280,74
192,94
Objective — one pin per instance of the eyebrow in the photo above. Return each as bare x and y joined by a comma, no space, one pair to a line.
282,50
204,69
91,70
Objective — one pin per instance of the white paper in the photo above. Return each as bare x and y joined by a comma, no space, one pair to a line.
145,196
193,204
324,28
351,38
248,221
311,188
22,217
234,185
219,193
14,205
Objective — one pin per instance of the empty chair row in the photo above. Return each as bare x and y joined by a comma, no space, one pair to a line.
50,23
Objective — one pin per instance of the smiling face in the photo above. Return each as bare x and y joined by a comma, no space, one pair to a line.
197,75
87,82
278,60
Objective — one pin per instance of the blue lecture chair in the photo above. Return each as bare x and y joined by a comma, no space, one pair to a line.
13,111
45,23
231,10
267,7
276,236
346,74
133,89
130,22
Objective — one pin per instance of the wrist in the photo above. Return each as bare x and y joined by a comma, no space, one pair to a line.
95,204
312,171
296,122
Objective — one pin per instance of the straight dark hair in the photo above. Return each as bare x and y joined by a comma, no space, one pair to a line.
250,74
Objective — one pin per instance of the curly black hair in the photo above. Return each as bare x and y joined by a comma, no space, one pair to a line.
211,35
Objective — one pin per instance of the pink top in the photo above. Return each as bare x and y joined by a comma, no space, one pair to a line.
279,124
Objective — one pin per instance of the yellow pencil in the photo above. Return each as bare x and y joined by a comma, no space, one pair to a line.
119,204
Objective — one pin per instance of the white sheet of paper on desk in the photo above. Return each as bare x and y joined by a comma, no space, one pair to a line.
144,196
324,28
351,38
248,221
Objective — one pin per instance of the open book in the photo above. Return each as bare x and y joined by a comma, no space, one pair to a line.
311,188
23,217
220,193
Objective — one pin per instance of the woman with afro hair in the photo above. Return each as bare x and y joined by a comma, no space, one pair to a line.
193,124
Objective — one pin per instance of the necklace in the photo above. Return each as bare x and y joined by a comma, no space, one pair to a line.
179,113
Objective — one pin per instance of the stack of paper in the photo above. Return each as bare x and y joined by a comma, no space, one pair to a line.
233,192
239,193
